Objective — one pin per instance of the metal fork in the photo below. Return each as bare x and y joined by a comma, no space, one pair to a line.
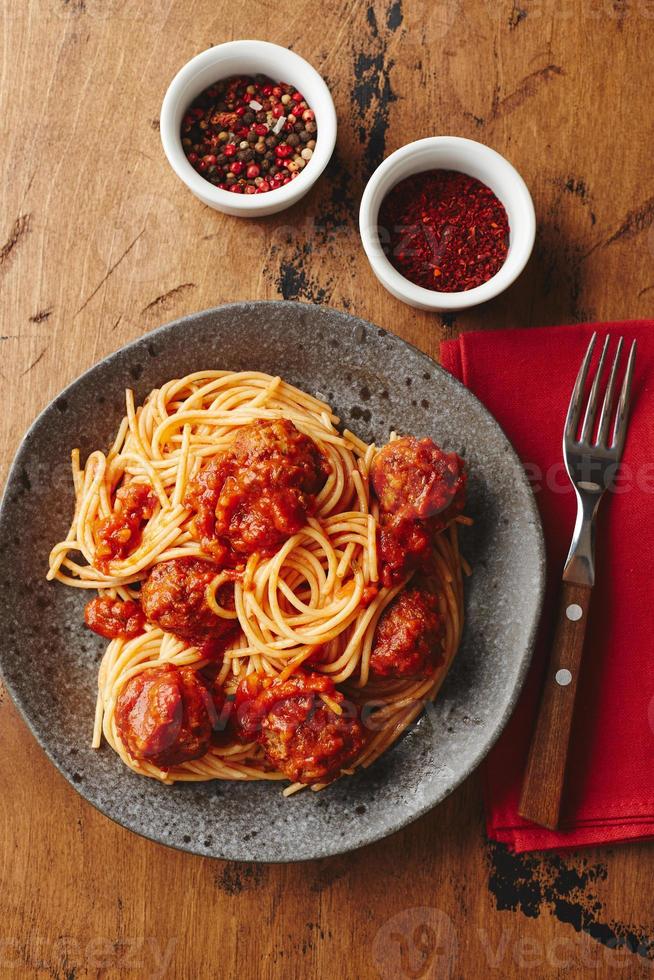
591,460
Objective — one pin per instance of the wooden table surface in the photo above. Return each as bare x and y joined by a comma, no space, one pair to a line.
99,243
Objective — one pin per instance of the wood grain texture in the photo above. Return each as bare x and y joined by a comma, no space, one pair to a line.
543,787
99,243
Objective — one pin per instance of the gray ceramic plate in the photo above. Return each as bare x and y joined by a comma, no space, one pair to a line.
376,382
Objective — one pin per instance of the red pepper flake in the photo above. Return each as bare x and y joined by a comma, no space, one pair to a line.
444,230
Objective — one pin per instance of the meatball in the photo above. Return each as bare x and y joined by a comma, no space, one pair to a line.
165,715
257,494
259,520
120,534
114,618
420,489
301,736
276,453
174,599
415,480
408,640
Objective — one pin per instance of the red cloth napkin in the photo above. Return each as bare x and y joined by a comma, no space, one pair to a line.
525,378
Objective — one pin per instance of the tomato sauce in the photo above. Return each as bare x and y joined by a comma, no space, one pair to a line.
120,534
114,618
300,734
257,494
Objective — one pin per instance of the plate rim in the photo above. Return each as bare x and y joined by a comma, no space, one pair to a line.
533,515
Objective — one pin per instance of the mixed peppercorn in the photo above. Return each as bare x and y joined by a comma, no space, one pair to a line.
249,135
444,230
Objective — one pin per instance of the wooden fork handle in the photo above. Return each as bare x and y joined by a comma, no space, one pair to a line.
542,788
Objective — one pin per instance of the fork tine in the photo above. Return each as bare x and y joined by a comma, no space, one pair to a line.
593,398
607,404
574,409
620,429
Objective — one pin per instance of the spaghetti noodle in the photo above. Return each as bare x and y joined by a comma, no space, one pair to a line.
313,601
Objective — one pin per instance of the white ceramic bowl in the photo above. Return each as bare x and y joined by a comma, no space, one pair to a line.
476,160
251,58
